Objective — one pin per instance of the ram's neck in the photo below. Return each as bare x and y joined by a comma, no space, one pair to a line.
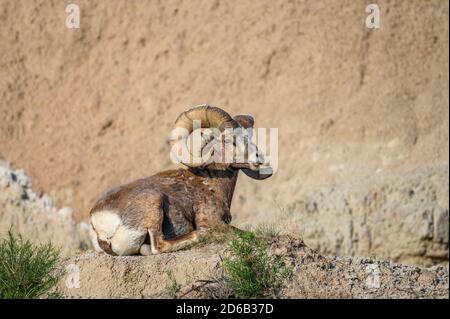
227,185
221,181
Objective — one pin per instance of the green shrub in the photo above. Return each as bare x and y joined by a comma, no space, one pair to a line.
251,271
26,270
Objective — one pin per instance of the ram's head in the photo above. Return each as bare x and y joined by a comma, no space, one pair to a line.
207,135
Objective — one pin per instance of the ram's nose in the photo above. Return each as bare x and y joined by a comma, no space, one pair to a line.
263,172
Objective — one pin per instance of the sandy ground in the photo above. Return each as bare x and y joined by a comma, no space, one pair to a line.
86,109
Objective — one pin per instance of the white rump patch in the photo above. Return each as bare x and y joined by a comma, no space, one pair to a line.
94,239
127,241
105,223
123,240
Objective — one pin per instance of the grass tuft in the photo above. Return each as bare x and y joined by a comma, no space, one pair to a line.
267,231
28,271
218,236
251,271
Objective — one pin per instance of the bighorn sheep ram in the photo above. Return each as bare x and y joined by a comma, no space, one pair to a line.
170,210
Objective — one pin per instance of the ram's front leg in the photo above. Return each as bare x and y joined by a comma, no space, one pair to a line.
212,220
158,243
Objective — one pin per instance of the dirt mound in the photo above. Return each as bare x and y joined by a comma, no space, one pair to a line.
35,216
96,275
86,109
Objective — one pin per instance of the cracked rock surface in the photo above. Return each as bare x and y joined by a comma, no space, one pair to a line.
35,216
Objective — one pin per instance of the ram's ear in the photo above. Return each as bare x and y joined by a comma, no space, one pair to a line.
246,121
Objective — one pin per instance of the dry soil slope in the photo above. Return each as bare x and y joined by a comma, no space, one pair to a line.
93,105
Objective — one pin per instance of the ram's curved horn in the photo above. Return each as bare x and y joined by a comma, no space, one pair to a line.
210,117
